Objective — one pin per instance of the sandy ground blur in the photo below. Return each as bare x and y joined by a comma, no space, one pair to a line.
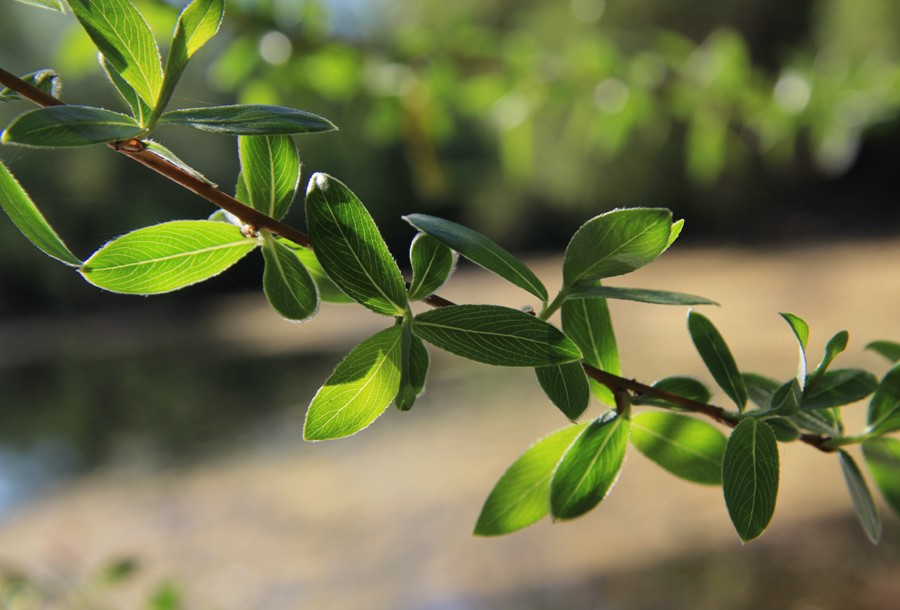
384,519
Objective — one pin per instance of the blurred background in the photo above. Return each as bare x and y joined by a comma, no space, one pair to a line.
150,449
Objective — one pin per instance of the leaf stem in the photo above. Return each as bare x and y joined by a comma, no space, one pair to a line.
557,302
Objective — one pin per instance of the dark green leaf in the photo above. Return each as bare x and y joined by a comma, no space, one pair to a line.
884,408
655,297
888,349
481,251
589,468
835,346
785,430
249,120
270,168
47,81
760,389
59,126
862,498
616,243
686,447
522,495
566,386
786,399
166,257
328,290
819,422
286,282
495,335
351,249
840,387
126,41
432,263
717,357
750,477
587,322
139,108
883,459
359,390
686,387
413,369
801,332
29,220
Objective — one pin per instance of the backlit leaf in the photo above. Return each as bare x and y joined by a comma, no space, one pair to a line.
414,363
432,263
587,322
47,81
717,357
287,284
863,502
883,459
750,474
270,167
55,5
884,408
655,297
139,108
566,386
686,447
249,120
61,126
328,290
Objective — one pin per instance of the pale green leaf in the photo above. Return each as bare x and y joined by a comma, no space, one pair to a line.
140,110
62,126
47,81
587,322
888,349
432,264
287,284
840,387
717,357
655,297
249,120
270,169
750,474
884,408
677,226
566,386
328,290
54,5
801,331
883,459
686,447
166,257
863,502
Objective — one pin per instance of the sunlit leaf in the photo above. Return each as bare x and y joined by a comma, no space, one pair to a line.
863,502
801,332
359,390
270,168
287,284
55,5
888,349
677,226
884,408
47,81
432,263
328,290
883,459
587,322
717,357
139,108
655,297
62,126
249,120
166,257
840,387
750,474
566,386
686,447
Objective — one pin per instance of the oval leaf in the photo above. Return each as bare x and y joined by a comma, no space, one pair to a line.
481,251
717,357
249,120
29,220
59,126
359,390
589,468
328,290
166,257
686,447
287,284
884,408
883,459
616,243
351,249
587,322
522,495
888,349
414,363
835,346
801,332
840,387
750,477
655,297
495,335
862,498
785,430
432,263
686,387
819,422
270,167
566,386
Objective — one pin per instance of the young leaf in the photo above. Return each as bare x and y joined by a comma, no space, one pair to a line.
750,477
883,459
287,284
589,468
166,257
888,349
47,81
566,386
359,389
717,357
54,5
481,251
801,332
122,35
59,126
328,290
140,110
884,408
686,447
587,322
862,498
655,297
677,226
351,249
840,387
432,263
495,335
522,495
835,346
760,389
414,369
616,243
270,168
686,387
29,220
249,120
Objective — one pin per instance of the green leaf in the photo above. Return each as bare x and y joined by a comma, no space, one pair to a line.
481,251
801,332
47,81
677,226
196,25
59,126
883,459
835,346
819,422
566,386
359,390
760,389
495,335
717,357
139,108
351,249
787,398
29,220
125,39
785,430
587,322
432,263
750,477
840,387
888,349
328,290
616,243
655,297
270,167
54,5
166,257
413,369
164,153
288,285
589,468
686,447
686,387
884,408
863,502
522,495
249,120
